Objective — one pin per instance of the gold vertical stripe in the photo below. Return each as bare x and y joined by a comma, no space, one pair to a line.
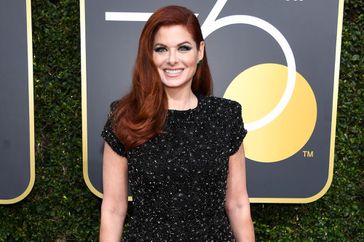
84,101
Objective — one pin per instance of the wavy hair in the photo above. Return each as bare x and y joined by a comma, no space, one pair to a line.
141,114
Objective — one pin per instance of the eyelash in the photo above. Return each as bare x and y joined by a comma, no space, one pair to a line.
182,48
160,49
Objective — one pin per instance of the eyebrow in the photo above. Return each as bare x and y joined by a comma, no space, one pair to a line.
183,43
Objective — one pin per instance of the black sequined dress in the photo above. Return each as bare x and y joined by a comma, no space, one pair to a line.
178,178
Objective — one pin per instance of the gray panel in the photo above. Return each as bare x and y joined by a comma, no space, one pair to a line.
14,101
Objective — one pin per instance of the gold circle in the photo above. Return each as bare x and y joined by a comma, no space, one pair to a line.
259,89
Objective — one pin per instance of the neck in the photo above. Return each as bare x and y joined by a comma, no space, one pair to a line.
181,99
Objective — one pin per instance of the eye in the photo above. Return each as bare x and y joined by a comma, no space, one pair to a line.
184,48
160,49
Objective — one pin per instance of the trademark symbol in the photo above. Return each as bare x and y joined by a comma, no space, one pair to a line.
308,153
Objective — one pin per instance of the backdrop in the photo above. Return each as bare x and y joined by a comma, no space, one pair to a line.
279,59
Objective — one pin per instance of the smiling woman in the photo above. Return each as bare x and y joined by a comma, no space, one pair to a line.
177,148
176,56
141,114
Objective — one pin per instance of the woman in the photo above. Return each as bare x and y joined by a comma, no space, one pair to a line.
178,148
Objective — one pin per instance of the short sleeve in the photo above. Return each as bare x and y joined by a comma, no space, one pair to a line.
236,130
110,137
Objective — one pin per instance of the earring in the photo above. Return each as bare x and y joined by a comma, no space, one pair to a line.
200,62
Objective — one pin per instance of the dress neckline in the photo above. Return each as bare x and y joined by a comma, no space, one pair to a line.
187,111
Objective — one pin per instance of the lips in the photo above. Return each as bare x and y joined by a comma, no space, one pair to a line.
173,72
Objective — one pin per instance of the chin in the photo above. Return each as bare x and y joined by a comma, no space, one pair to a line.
172,83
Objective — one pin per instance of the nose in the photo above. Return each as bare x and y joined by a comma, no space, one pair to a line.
172,57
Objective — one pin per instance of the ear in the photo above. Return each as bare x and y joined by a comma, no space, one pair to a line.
201,50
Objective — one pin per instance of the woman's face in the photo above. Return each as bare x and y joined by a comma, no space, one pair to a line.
176,55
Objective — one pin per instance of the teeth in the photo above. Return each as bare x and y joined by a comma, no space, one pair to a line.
173,71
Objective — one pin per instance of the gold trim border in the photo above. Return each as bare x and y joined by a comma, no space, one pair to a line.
31,109
84,104
253,199
84,101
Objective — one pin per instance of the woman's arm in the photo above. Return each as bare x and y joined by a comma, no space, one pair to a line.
237,204
115,200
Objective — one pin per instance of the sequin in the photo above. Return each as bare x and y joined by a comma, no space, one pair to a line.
178,178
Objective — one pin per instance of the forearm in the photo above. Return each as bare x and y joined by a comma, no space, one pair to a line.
111,225
241,223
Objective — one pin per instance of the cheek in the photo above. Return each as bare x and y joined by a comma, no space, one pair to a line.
191,61
158,60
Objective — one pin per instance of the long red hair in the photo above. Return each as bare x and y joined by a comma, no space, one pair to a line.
141,114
